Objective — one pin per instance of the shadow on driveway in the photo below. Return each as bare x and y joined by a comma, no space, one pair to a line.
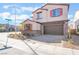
75,39
49,38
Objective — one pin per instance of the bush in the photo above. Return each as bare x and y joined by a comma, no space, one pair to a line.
73,31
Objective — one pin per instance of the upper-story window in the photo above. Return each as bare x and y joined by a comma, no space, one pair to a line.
39,15
56,12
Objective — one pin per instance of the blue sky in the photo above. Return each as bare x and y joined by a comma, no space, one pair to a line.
72,9
24,10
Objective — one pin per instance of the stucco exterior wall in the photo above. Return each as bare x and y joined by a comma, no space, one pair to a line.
46,14
35,26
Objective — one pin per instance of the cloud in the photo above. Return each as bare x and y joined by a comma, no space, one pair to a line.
6,6
24,16
19,17
20,9
9,6
14,16
4,15
28,8
70,16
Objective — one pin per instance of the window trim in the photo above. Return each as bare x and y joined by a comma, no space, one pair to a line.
37,15
51,12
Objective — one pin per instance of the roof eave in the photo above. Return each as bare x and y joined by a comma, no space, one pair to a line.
51,4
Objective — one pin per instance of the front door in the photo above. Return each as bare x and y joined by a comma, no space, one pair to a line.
28,27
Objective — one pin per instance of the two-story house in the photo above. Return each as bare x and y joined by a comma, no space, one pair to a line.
53,19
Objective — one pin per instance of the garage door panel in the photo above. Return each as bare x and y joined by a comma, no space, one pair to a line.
53,29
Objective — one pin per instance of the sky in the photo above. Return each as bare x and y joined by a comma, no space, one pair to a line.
72,10
24,11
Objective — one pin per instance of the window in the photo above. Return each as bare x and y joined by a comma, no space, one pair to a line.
56,12
39,15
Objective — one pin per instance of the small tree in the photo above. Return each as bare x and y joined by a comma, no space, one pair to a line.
69,37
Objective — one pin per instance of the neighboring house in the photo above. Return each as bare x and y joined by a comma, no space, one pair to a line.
76,21
2,27
52,18
9,27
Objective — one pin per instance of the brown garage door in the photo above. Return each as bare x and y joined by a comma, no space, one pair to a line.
54,29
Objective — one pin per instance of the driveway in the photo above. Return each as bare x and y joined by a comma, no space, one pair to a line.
49,38
75,38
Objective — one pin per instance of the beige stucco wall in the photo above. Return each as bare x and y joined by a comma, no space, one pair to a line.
46,14
35,26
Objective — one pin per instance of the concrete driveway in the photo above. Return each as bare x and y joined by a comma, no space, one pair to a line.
75,38
49,38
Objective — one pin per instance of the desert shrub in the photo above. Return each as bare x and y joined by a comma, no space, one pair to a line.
73,31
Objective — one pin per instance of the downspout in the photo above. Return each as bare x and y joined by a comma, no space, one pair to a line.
42,29
65,30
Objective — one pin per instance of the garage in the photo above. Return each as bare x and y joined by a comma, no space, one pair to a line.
54,28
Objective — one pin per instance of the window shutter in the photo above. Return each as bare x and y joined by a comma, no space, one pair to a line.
51,14
60,11
56,12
